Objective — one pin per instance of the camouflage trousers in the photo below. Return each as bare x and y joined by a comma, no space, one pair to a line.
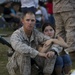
65,27
23,67
19,64
47,65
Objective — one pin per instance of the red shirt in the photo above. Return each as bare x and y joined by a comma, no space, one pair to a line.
49,7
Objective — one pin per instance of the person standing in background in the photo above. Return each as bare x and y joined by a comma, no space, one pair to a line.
64,14
49,7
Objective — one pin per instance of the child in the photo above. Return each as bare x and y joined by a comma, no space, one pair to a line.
63,62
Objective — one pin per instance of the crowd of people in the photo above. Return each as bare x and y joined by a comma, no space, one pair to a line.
50,47
12,12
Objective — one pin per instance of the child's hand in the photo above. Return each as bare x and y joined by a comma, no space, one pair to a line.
60,41
48,42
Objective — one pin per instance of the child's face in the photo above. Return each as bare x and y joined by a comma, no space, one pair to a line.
49,31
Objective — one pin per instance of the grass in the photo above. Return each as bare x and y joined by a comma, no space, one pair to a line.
3,54
3,59
6,31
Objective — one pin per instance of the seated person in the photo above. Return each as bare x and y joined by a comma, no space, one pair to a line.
10,14
14,10
41,16
7,11
63,62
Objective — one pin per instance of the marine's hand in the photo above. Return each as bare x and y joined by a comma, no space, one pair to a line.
50,54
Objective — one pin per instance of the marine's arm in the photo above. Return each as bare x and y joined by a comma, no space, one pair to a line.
21,47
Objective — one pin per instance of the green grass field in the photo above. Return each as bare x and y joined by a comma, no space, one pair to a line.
3,54
3,59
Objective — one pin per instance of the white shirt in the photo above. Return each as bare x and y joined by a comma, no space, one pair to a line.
38,15
29,3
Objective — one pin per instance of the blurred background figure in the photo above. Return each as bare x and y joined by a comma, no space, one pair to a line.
29,5
41,16
49,7
2,20
16,14
7,10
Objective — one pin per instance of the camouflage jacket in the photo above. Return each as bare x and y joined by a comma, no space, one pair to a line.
63,5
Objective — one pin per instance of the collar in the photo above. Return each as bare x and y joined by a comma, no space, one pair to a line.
25,36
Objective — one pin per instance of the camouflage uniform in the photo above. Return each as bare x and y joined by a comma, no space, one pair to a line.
25,49
64,13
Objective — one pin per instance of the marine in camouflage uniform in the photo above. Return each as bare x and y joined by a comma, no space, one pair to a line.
64,14
26,48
